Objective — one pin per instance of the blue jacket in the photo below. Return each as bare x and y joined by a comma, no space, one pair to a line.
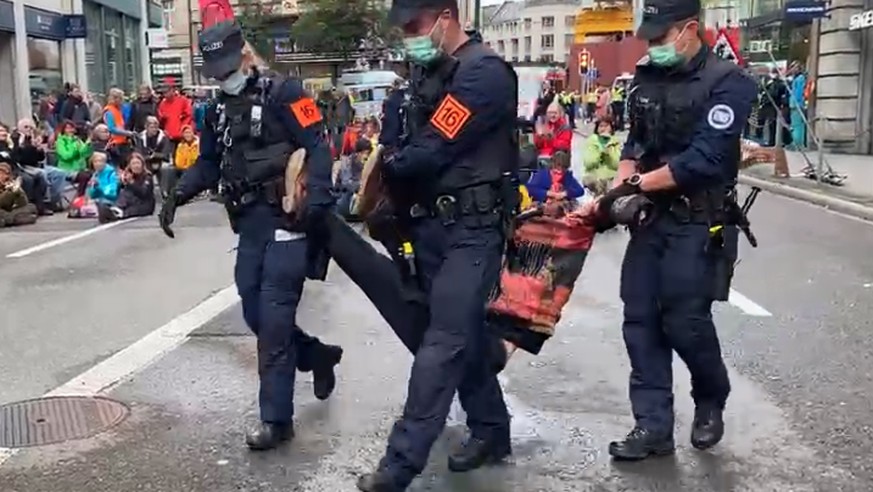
199,115
106,188
541,182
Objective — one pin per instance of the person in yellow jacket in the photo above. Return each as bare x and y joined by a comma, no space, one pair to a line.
184,157
600,157
590,105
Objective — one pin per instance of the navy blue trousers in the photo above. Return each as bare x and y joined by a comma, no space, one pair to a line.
457,268
269,274
667,290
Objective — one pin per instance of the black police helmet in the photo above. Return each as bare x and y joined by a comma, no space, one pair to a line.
405,11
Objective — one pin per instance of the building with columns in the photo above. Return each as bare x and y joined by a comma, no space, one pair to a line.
44,43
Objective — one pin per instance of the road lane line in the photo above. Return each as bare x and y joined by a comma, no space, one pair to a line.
747,305
67,239
141,353
147,349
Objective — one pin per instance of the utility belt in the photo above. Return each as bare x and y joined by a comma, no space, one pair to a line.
236,197
477,206
703,208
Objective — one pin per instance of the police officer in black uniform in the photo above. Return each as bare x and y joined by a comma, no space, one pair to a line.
687,109
251,130
458,164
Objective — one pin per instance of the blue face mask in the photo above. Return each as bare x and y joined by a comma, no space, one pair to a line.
234,84
666,55
422,49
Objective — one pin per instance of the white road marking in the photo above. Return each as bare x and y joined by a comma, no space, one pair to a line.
747,305
67,239
141,353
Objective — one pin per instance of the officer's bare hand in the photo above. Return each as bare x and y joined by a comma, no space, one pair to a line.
587,209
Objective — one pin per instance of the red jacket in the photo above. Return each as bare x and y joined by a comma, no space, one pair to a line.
561,139
175,114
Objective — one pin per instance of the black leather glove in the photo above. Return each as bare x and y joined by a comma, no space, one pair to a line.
606,201
168,214
630,210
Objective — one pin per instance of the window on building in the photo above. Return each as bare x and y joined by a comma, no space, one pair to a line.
45,75
527,23
569,39
95,65
132,62
514,44
515,58
547,58
548,21
548,41
527,44
569,21
112,45
527,58
169,9
501,46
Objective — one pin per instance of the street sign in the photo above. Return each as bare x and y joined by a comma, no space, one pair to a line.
725,49
592,74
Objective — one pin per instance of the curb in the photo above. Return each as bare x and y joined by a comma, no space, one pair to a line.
832,203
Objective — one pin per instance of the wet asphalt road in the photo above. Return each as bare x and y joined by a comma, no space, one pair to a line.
798,418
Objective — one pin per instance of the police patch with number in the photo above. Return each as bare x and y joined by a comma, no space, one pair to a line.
721,117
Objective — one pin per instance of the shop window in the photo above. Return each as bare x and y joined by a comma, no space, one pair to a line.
114,50
132,63
44,70
94,63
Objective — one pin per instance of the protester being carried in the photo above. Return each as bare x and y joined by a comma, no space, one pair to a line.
137,195
14,206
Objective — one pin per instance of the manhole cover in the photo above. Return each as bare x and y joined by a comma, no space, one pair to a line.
57,419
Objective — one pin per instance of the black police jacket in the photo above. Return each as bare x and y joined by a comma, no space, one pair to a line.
665,106
253,140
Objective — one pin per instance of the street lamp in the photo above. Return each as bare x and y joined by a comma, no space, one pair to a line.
477,5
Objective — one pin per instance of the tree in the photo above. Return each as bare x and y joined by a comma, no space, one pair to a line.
256,18
344,26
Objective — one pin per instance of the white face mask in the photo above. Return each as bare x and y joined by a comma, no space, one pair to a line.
234,84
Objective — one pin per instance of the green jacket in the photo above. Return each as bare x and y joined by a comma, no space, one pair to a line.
72,153
601,159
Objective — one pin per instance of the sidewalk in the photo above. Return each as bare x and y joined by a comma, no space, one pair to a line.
854,198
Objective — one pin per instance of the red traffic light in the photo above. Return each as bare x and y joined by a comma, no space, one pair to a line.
584,58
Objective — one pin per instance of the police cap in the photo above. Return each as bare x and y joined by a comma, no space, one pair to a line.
221,46
660,15
405,11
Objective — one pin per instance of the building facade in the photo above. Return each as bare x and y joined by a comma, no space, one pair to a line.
532,30
44,43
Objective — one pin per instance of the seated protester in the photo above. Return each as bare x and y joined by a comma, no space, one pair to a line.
350,138
34,186
601,156
556,183
554,134
104,185
101,141
156,147
72,157
28,152
187,152
348,180
137,195
371,131
14,207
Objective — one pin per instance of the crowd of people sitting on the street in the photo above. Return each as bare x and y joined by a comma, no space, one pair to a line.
97,161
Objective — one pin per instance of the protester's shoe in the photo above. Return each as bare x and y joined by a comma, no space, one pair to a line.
474,453
324,361
640,444
117,212
708,427
104,214
377,481
268,436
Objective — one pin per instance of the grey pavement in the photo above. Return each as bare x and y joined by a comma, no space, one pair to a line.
798,418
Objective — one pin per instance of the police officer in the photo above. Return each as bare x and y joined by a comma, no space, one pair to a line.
456,163
687,110
250,131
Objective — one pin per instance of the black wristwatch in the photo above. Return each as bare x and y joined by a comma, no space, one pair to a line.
634,180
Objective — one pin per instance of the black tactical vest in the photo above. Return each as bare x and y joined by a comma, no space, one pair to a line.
666,106
246,125
497,152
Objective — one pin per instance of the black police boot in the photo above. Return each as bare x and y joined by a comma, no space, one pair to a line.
377,481
497,356
325,358
640,444
473,453
268,436
708,427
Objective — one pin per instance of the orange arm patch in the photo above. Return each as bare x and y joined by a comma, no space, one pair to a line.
306,111
450,117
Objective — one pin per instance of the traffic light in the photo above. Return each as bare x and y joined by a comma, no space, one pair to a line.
584,60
